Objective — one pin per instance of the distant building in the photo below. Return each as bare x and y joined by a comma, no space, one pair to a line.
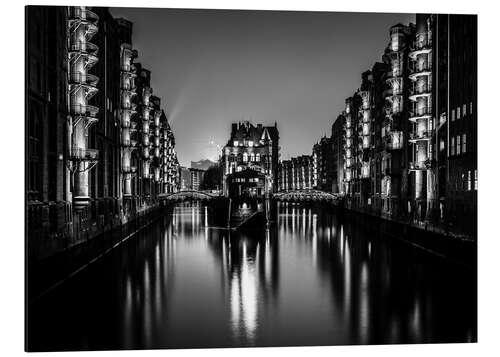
252,148
185,179
196,178
337,155
296,173
322,156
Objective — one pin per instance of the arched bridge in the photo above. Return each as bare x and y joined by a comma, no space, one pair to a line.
189,196
307,196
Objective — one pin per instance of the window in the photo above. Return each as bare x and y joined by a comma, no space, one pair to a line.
459,146
458,113
235,143
470,108
257,157
250,143
469,181
452,146
452,114
475,180
245,157
464,146
464,110
441,145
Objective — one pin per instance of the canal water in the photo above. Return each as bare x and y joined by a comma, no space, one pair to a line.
310,279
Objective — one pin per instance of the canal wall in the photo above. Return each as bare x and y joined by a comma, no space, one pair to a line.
57,264
460,249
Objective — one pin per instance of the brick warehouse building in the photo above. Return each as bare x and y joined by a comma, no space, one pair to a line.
86,170
254,148
410,152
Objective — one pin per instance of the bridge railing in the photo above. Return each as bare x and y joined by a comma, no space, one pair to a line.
307,196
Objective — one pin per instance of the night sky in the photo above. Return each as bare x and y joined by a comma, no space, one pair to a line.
214,67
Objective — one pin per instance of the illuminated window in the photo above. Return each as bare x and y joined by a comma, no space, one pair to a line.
250,143
441,145
464,139
245,157
257,157
469,180
464,110
458,113
235,143
452,114
252,157
475,180
459,146
452,146
470,108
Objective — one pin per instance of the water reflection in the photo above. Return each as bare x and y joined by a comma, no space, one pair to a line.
309,280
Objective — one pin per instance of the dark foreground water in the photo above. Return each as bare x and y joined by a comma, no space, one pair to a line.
309,280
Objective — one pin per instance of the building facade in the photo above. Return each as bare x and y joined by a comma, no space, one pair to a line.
296,173
254,148
409,134
97,143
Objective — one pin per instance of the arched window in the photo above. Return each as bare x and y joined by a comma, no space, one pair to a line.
252,157
245,157
257,157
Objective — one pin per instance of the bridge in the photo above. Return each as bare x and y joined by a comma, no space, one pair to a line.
307,196
189,195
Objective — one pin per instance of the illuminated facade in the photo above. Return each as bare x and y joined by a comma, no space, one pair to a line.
394,162
296,173
252,148
82,56
422,157
322,156
91,164
409,133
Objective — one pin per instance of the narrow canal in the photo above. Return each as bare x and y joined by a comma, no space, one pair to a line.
308,280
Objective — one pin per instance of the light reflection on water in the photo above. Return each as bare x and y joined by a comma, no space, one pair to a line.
309,280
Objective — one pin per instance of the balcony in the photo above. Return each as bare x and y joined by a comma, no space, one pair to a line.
420,92
421,136
425,113
85,110
83,47
81,154
420,47
421,70
83,17
83,78
77,13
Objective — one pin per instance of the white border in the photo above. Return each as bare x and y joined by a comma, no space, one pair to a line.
12,172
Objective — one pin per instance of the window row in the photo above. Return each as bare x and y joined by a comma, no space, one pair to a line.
458,145
467,181
460,112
